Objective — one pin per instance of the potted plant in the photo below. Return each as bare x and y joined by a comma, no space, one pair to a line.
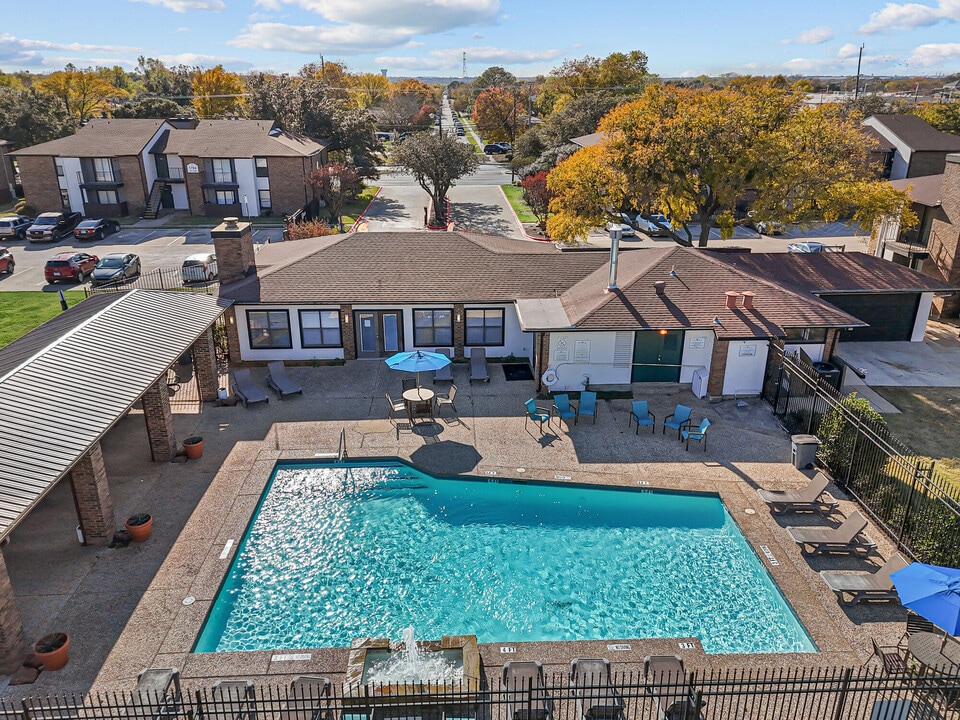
139,526
193,447
52,650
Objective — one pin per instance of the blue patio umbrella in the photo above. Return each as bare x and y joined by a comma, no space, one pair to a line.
931,591
417,361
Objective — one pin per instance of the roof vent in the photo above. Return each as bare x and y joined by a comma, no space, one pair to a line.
731,299
748,299
660,287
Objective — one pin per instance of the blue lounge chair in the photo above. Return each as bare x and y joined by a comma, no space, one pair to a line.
678,419
561,406
700,434
641,413
587,405
535,412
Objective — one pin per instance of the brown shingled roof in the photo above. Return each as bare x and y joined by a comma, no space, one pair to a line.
696,283
918,134
852,272
239,138
924,190
100,137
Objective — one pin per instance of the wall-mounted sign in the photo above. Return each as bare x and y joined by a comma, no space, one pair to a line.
581,351
561,355
748,350
193,168
698,343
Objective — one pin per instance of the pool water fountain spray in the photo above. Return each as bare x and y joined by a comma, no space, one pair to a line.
407,662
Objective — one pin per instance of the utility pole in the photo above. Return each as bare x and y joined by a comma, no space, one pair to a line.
856,91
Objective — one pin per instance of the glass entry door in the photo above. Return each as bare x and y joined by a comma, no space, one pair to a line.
379,332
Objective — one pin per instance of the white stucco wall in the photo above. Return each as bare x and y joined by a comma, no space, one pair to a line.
746,362
697,349
923,314
70,182
813,351
596,360
247,181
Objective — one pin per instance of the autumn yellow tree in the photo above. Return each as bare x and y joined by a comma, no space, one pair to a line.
497,113
217,93
371,89
693,154
943,116
83,92
411,87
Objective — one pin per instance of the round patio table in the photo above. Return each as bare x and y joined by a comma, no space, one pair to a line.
932,652
419,401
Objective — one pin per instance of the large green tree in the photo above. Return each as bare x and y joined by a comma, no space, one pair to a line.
436,163
173,83
30,117
693,154
153,107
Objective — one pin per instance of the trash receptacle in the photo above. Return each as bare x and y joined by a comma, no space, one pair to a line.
804,451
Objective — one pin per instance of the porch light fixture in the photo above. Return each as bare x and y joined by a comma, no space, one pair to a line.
663,332
346,319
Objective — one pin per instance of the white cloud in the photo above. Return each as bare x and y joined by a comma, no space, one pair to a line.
910,16
830,65
182,6
414,63
813,36
499,55
231,64
183,29
24,52
329,40
416,16
9,41
848,51
934,54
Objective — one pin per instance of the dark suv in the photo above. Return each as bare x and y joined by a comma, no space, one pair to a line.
51,226
69,266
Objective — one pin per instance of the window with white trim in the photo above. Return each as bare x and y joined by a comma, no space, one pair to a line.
262,169
265,201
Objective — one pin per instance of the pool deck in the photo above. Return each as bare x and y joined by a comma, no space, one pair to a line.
124,608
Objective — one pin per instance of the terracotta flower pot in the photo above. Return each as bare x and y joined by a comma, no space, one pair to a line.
52,650
193,447
139,527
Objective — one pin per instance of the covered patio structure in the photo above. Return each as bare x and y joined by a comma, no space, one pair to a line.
65,384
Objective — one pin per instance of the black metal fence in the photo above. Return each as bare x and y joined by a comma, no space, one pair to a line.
170,278
903,492
832,693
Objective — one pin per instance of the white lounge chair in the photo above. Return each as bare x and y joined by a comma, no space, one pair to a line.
865,586
478,365
278,381
814,498
308,699
231,700
246,389
665,679
596,696
525,691
849,538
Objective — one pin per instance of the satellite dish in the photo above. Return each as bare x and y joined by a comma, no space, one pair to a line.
549,377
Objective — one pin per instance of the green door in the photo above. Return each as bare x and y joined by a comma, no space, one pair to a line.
166,197
656,356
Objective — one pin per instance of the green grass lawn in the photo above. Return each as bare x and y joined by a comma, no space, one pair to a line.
515,196
351,211
21,312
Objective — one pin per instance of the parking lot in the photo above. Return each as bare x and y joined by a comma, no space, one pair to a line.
157,248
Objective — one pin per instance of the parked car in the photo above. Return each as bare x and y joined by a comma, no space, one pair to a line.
495,149
626,229
15,226
461,131
661,227
115,267
201,267
69,266
95,229
6,261
813,247
51,226
770,227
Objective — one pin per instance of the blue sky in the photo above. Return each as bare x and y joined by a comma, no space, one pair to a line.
528,37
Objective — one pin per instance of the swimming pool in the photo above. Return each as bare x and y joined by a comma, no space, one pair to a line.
340,552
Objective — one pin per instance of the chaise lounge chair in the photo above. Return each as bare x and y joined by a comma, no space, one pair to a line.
595,694
230,700
478,365
246,389
849,538
278,381
865,586
525,690
665,679
446,372
308,699
814,498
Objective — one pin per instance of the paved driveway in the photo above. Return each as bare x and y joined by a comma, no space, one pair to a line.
935,362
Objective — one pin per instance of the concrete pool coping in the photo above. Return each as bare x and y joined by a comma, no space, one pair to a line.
123,608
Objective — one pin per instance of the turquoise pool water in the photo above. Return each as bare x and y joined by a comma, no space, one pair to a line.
340,552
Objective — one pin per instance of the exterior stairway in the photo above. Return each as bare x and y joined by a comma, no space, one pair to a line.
153,203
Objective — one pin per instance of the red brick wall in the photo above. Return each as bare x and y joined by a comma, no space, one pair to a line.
234,248
41,188
718,368
193,182
205,366
133,184
159,419
288,188
13,646
944,243
92,492
347,334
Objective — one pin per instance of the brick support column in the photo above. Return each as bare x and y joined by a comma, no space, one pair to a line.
459,331
830,344
205,365
159,419
348,334
718,368
542,353
233,334
92,494
13,647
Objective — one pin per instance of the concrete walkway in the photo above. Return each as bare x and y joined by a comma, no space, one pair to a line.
124,608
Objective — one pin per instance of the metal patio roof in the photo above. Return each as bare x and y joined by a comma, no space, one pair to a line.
63,385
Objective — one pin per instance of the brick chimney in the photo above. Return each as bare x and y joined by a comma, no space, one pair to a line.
233,243
748,299
732,296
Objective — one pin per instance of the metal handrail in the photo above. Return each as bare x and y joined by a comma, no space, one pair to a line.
342,445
